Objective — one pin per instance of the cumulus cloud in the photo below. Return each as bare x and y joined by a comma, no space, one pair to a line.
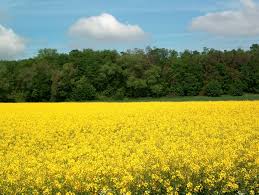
242,22
248,3
105,28
11,44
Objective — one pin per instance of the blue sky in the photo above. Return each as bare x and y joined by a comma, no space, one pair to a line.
166,23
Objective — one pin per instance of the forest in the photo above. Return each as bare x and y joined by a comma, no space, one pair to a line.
82,75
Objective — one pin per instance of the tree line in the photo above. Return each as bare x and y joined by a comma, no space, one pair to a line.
152,72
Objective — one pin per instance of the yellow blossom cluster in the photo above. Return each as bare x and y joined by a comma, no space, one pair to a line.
129,148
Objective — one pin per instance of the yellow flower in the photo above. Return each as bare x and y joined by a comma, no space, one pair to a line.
106,148
169,189
70,193
189,185
198,188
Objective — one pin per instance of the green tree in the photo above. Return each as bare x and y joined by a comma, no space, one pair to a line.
41,83
63,82
236,88
3,84
83,90
47,53
153,72
213,89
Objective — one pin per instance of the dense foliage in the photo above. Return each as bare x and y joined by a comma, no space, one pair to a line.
153,72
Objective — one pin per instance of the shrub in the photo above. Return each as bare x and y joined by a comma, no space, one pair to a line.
83,90
236,88
213,89
120,94
176,90
157,90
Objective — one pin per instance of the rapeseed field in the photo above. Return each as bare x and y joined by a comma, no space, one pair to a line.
129,148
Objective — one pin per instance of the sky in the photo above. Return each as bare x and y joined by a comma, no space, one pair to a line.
29,25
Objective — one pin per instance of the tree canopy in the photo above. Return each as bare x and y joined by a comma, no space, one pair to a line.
82,75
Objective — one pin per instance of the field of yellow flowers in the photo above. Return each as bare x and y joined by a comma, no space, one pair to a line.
129,148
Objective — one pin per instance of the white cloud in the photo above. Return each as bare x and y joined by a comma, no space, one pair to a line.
105,27
11,45
242,22
248,4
